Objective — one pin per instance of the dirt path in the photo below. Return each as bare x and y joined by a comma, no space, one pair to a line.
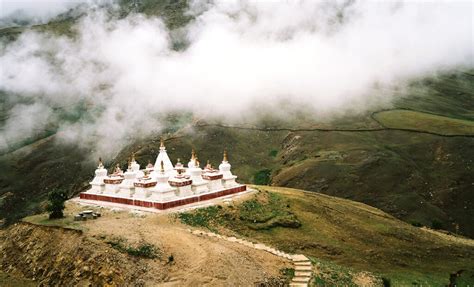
197,260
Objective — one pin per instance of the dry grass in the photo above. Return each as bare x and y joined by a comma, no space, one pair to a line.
347,237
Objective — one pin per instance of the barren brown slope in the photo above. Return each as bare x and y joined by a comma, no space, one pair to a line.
57,256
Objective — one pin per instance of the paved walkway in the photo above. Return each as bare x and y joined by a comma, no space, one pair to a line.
302,265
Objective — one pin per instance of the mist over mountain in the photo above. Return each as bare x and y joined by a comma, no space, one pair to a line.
242,56
31,12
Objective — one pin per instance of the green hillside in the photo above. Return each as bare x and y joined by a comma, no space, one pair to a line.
430,123
343,238
422,177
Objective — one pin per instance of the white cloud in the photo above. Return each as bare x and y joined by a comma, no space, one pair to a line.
36,11
242,56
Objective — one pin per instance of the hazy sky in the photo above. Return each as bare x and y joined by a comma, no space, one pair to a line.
242,57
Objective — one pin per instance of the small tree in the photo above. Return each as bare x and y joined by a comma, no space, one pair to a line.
55,207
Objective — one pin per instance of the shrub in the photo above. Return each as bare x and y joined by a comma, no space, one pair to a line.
273,153
416,223
262,177
436,224
56,199
288,272
144,249
386,282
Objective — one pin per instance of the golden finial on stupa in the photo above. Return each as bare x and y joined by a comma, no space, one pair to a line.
101,165
162,142
129,163
225,156
133,156
193,154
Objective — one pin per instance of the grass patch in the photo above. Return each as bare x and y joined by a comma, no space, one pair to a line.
66,222
273,153
142,249
287,273
267,212
263,212
203,217
412,120
332,274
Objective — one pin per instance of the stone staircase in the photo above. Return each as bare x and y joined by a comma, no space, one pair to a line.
303,271
302,265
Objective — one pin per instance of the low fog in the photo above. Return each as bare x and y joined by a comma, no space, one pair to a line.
30,12
241,57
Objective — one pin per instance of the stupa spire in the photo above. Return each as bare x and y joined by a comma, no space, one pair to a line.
225,156
101,165
162,143
196,162
163,157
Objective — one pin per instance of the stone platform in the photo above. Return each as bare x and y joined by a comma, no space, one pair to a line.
162,205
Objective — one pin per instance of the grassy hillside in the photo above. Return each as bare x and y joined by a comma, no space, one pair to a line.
418,121
422,178
343,237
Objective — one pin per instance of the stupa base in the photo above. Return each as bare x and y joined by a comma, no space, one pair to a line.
162,205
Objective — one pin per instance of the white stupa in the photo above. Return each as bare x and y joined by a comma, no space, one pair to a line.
199,185
213,177
192,161
127,188
163,190
163,186
136,167
113,181
163,157
228,179
97,183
